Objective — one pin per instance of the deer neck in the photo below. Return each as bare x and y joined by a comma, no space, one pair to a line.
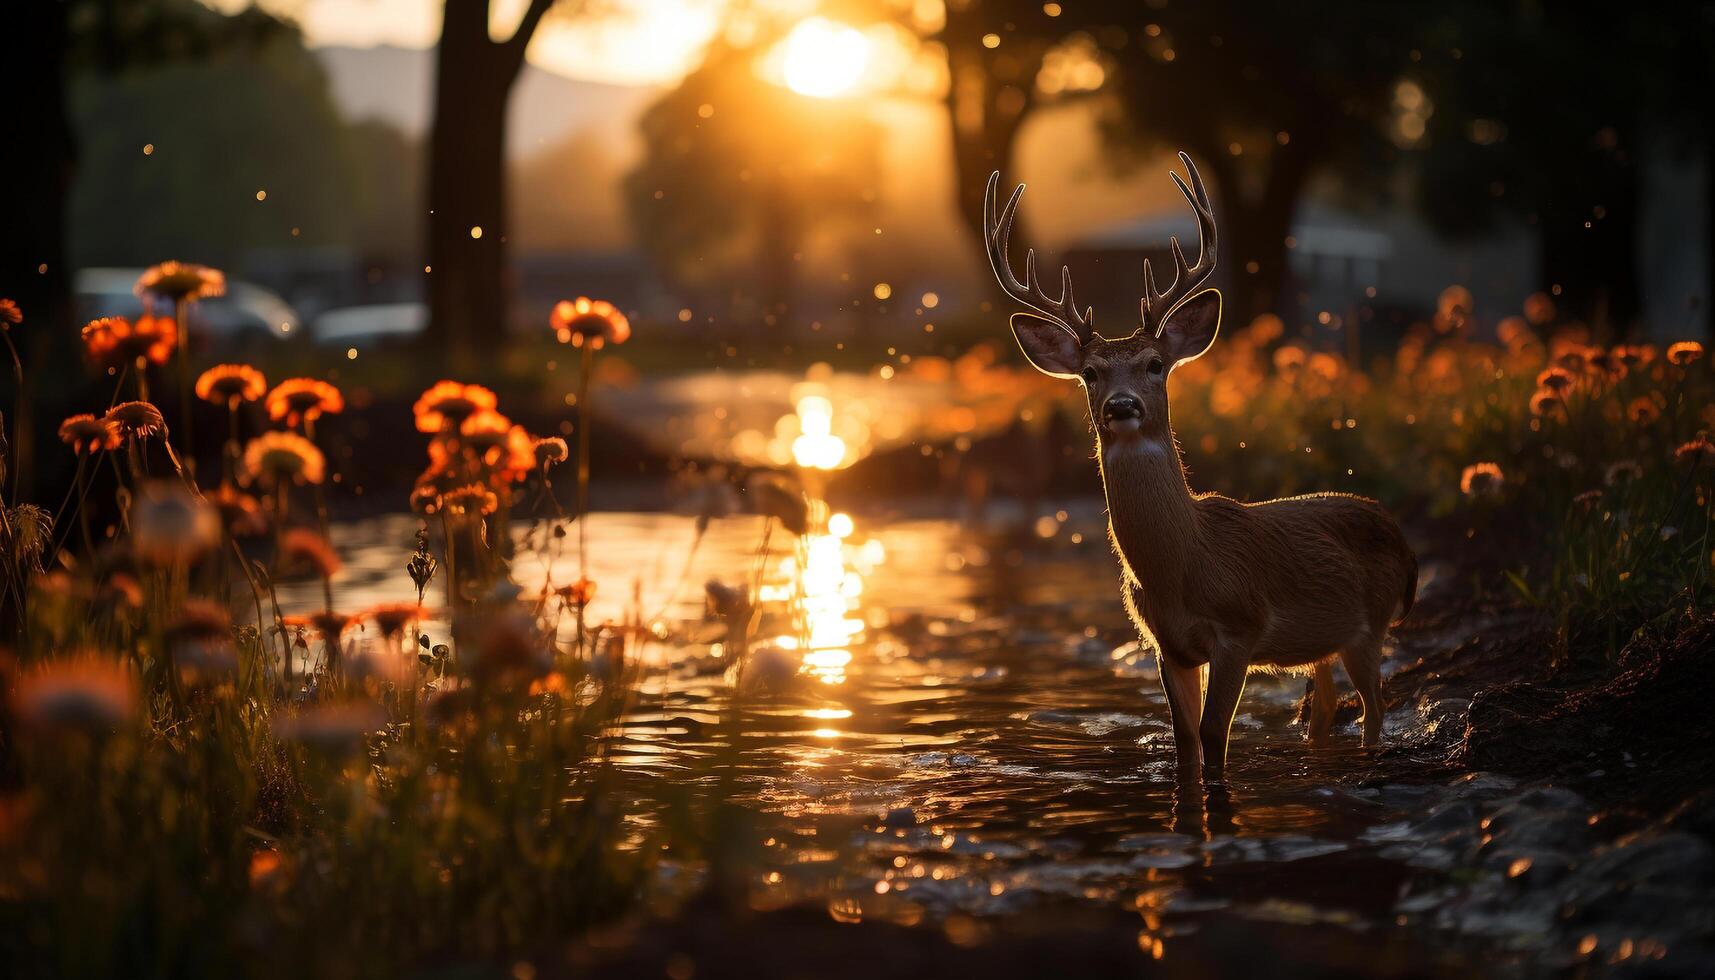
1151,512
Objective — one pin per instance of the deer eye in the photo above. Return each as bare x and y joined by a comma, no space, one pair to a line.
1155,366
1089,375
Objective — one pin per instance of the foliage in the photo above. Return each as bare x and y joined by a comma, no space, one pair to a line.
739,177
1585,470
333,793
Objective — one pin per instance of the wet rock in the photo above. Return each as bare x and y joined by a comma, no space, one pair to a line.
1274,849
902,816
1097,725
1696,815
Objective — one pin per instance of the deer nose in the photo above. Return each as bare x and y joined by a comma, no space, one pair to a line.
1120,408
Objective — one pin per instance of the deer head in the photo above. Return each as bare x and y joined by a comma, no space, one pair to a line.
1125,379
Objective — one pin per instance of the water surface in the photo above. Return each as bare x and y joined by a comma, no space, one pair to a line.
946,721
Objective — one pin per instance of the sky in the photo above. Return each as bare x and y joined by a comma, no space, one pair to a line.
630,42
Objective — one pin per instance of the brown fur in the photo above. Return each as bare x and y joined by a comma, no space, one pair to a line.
1283,584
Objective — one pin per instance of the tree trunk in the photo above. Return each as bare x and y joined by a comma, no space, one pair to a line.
1596,267
35,180
467,228
1256,232
988,97
1704,298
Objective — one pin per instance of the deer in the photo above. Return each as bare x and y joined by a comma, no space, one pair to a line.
1286,585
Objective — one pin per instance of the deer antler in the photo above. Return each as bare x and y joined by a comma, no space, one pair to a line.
1186,277
996,230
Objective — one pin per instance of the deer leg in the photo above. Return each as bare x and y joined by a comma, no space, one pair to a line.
1363,662
1322,703
1185,702
1227,670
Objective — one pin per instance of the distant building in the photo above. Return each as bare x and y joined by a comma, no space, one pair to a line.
1335,256
622,277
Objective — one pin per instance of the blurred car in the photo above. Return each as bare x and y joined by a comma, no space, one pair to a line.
246,316
370,325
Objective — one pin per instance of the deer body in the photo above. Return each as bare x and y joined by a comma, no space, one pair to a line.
1286,584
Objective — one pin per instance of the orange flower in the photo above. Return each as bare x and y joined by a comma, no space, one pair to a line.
485,430
303,400
1624,471
448,403
137,420
1572,358
1539,309
1633,355
229,384
200,638
239,512
118,341
549,451
332,625
85,691
275,458
390,617
1642,410
267,868
1685,352
473,500
1453,309
172,526
496,443
88,434
301,548
122,590
332,727
578,593
1265,329
10,315
594,321
1555,379
1696,452
1514,333
425,497
433,484
516,458
1606,363
1326,366
1481,480
180,281
1546,402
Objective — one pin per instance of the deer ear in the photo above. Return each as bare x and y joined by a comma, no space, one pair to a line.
1192,327
1049,347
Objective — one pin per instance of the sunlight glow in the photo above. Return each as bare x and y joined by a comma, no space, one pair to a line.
824,59
817,448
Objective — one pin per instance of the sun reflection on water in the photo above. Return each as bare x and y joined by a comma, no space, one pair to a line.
822,581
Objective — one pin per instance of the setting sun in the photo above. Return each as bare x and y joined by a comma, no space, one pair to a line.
824,59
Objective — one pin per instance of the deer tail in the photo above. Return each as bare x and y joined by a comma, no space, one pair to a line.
1409,597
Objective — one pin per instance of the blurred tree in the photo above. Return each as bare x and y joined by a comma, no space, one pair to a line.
585,213
1536,113
474,73
737,176
1261,95
991,87
36,168
220,130
387,193
93,38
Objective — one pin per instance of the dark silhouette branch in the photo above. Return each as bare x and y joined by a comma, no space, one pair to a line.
520,40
